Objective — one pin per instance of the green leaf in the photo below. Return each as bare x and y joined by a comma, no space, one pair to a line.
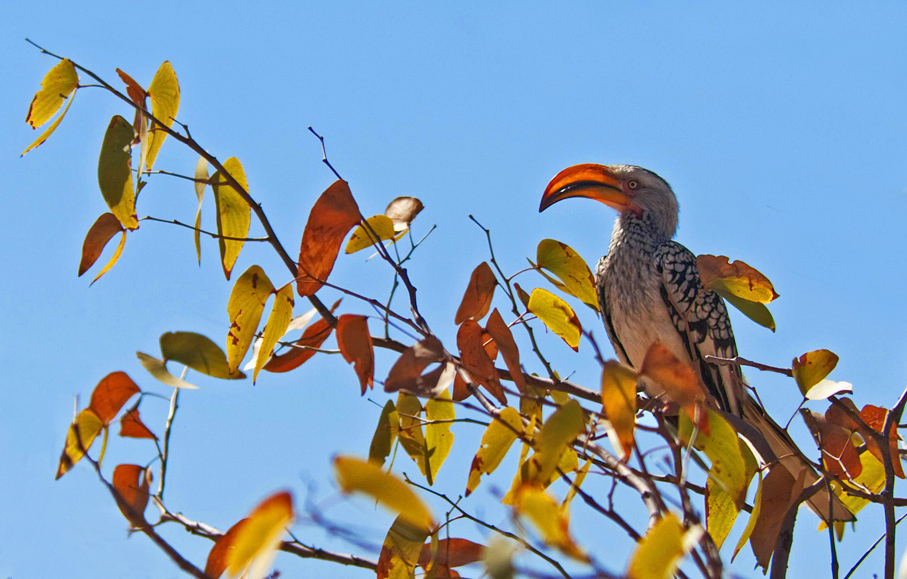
115,171
385,434
753,310
158,369
199,353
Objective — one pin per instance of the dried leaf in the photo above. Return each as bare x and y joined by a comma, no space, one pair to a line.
571,269
361,239
356,475
557,315
106,226
812,367
135,91
875,417
619,404
313,337
165,102
355,344
503,338
779,493
453,553
132,482
258,539
56,86
131,426
497,440
333,215
115,171
678,380
407,370
111,394
199,353
477,299
201,174
233,213
827,388
738,278
476,361
82,432
835,434
402,211
158,369
276,326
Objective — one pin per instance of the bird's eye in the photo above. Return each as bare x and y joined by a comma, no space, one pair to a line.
633,185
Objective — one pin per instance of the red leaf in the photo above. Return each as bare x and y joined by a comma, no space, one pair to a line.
133,89
131,425
477,298
453,553
131,481
875,417
407,370
356,347
106,226
312,337
503,337
111,394
331,218
476,361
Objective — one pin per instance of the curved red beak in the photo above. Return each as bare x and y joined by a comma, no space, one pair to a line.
587,180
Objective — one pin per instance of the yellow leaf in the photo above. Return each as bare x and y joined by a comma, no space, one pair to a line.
356,475
576,277
409,410
247,302
753,310
57,84
439,413
82,432
165,102
619,403
812,367
549,520
257,540
400,551
158,369
661,550
199,353
721,445
53,127
115,171
201,173
496,441
557,433
737,278
871,478
557,315
751,523
385,434
362,239
233,213
278,321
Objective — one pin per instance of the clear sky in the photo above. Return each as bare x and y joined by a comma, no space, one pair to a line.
781,126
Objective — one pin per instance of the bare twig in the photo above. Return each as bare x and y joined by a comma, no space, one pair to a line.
202,231
738,361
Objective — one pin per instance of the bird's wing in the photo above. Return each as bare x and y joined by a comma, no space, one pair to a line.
702,321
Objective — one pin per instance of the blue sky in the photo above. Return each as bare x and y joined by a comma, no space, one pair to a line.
782,128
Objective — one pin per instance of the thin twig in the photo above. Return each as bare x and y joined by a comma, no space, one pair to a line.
738,361
202,231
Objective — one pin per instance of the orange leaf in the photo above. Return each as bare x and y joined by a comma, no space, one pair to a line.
875,417
331,218
106,226
82,432
131,425
407,370
737,278
356,347
836,429
258,539
133,89
503,337
453,553
312,337
677,379
220,553
477,299
111,394
779,492
132,482
476,361
619,404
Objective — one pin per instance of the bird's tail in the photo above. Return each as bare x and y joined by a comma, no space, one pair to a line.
778,446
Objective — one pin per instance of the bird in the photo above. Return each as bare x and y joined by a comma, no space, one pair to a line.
649,290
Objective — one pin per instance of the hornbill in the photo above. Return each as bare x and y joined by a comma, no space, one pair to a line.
649,291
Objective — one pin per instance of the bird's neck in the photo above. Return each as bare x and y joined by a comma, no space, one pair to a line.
637,234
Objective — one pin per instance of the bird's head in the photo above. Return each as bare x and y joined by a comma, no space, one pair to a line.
635,192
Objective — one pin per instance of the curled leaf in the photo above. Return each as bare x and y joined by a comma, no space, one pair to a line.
82,432
304,348
56,86
402,211
738,278
158,369
132,482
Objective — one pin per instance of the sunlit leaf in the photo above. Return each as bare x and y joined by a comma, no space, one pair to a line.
476,361
233,213
575,276
812,367
556,435
276,326
131,426
132,482
361,239
826,388
402,211
753,310
356,475
496,441
548,519
57,84
410,434
106,226
661,550
779,493
50,129
400,551
477,298
503,338
201,174
199,353
218,557
304,348
678,380
115,171
439,416
736,278
257,540
619,405
165,102
333,215
355,344
557,315
835,433
385,434
135,91
407,370
82,432
111,394
720,443
158,369
246,304
871,479
875,417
